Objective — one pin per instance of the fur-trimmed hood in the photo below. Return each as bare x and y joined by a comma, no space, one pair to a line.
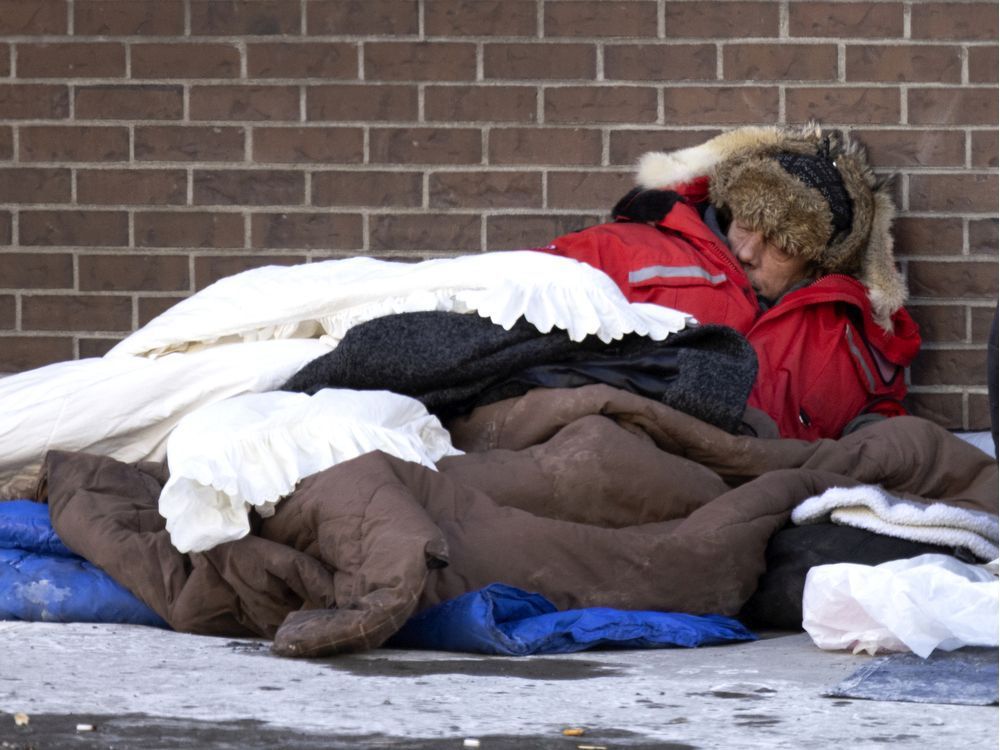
747,180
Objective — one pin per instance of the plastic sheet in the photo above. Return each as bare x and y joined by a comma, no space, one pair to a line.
921,604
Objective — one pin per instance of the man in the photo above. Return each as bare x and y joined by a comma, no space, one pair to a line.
783,234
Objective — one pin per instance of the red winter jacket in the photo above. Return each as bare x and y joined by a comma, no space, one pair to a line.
823,358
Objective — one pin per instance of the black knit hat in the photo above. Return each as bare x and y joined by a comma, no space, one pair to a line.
820,173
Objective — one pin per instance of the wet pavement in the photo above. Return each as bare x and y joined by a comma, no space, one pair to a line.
116,686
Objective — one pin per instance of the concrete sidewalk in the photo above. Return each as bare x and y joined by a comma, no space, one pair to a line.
141,687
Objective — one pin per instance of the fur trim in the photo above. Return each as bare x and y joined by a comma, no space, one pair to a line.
745,179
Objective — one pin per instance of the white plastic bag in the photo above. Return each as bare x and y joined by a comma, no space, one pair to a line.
927,602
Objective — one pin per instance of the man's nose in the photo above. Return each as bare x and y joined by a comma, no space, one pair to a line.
749,248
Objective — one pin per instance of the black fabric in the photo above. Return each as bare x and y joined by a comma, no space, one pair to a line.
792,551
820,173
453,363
645,205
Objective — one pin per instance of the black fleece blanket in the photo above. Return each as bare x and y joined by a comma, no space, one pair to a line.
453,362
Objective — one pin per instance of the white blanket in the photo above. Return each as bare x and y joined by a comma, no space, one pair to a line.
250,332
871,508
252,450
328,298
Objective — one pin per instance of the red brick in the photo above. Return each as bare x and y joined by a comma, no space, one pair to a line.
6,228
428,232
34,101
926,236
539,61
481,103
950,106
534,146
125,273
361,102
309,145
659,62
481,18
715,20
983,64
940,324
354,188
600,18
521,232
129,102
425,146
594,104
8,315
71,60
964,21
189,143
944,409
628,145
597,191
302,60
68,228
982,320
726,105
486,190
151,307
983,237
4,60
953,192
904,64
779,62
19,353
979,412
128,17
26,185
92,312
252,187
915,148
95,347
210,269
984,148
231,17
244,103
190,60
78,143
111,187
7,143
362,17
958,279
845,20
188,229
23,17
419,61
878,106
36,271
949,367
294,231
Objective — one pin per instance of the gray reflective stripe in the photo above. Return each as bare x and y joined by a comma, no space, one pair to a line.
861,360
673,272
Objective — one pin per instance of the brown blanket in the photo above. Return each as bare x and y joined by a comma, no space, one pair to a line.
590,496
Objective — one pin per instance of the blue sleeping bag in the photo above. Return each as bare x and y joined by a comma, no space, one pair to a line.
501,619
42,580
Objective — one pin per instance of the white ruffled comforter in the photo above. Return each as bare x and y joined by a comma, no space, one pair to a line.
250,332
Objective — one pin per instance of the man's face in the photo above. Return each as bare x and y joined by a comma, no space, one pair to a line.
771,270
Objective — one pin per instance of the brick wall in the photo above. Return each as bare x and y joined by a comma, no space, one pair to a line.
148,147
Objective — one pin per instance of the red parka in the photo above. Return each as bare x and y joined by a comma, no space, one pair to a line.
823,360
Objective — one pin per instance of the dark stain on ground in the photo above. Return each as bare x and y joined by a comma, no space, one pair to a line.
756,695
141,730
524,668
757,720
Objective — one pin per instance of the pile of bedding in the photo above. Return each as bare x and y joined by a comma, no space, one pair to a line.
227,507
